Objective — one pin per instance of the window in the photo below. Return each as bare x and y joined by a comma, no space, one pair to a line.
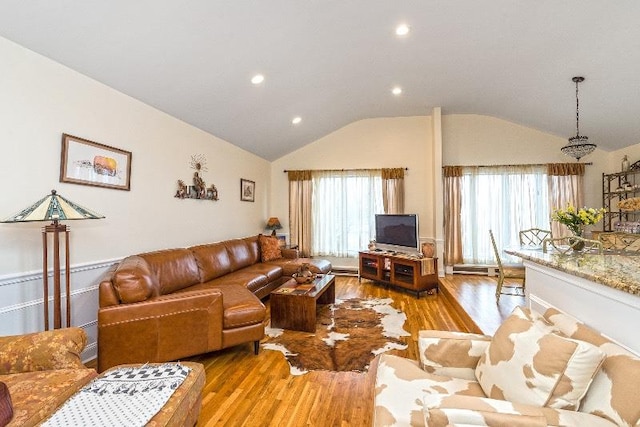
505,199
344,204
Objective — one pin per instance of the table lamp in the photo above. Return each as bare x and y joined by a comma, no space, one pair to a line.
273,224
54,208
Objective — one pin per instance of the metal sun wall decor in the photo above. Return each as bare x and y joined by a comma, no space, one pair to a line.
199,189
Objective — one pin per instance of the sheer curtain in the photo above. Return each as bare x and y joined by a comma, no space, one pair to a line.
343,207
300,195
505,199
565,186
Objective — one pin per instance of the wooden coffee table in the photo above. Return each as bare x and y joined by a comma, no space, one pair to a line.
293,307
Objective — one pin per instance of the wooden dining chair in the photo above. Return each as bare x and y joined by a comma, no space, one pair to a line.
511,272
533,237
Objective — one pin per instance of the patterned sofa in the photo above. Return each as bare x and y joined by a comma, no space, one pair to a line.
43,370
537,370
175,303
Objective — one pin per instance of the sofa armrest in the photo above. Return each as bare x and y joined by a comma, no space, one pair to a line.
168,327
442,410
42,351
452,354
290,253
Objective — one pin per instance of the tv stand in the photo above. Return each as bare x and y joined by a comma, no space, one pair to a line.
400,270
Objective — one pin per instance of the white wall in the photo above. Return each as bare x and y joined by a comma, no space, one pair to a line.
40,100
371,143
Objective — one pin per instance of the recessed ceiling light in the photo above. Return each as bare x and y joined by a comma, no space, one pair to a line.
257,79
402,30
296,120
396,90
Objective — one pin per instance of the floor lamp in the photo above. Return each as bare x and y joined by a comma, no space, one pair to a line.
54,208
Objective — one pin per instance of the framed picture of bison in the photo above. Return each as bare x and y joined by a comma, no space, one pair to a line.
87,162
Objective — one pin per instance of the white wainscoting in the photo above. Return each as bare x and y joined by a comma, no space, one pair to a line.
21,302
612,312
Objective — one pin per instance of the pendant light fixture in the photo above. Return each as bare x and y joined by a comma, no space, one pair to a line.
579,145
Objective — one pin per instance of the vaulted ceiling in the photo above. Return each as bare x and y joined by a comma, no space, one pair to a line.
333,62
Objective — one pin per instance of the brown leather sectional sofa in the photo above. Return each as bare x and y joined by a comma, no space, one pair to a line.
170,304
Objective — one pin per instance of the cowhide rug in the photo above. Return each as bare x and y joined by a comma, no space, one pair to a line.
349,334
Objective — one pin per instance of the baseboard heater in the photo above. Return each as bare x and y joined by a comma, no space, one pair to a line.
345,271
479,270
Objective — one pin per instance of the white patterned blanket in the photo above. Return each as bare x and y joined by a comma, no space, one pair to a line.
122,397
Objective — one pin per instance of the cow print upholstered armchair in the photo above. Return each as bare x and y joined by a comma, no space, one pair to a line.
537,370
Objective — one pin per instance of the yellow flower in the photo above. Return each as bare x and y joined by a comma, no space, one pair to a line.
575,220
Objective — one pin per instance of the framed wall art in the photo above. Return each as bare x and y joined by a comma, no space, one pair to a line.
247,190
87,162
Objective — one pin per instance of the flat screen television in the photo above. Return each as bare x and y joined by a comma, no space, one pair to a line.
397,232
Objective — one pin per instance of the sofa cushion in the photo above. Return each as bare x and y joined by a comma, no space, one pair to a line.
527,363
174,269
271,271
254,247
213,260
36,395
55,349
269,248
613,393
250,281
240,254
400,386
133,280
241,307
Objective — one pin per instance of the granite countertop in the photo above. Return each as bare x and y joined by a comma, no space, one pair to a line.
620,272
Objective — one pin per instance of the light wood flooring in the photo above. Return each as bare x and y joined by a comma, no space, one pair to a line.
243,389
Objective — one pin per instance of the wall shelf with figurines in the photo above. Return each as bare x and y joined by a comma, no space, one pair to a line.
198,190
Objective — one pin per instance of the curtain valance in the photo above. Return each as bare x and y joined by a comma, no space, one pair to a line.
394,173
299,175
452,171
565,169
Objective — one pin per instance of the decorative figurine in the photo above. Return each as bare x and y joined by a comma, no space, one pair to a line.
199,189
182,190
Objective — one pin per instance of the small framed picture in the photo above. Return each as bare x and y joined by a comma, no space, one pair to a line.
247,190
282,240
90,163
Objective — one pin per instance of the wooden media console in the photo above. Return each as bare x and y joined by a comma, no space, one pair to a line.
406,271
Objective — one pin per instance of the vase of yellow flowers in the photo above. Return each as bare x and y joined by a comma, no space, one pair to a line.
577,219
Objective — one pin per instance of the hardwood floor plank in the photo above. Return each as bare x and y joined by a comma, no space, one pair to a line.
243,389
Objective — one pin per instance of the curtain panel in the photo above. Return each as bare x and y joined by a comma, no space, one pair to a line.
300,196
393,190
452,176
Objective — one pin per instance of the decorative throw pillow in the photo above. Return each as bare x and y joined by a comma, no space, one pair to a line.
269,248
42,351
527,363
613,394
6,408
